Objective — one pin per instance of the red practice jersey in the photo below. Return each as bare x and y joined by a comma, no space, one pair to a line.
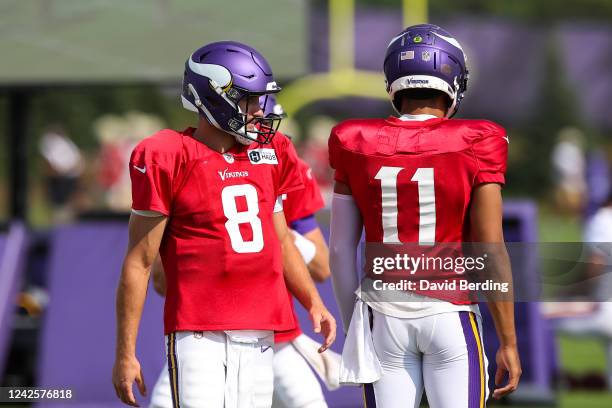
300,204
308,201
412,180
220,252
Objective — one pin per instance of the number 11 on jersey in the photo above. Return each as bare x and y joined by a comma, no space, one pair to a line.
424,177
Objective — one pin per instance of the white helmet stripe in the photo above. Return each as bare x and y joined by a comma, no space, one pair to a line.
217,73
395,39
449,40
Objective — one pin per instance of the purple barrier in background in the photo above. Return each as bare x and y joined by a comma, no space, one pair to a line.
535,337
78,337
587,57
598,181
12,256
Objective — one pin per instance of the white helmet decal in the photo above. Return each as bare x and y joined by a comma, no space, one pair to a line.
217,73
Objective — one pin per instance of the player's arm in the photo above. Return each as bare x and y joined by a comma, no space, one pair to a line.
159,277
311,244
319,266
345,234
301,285
486,227
145,234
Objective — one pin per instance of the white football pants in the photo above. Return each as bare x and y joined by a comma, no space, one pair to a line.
442,354
216,369
295,384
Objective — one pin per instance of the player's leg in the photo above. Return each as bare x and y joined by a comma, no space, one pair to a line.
454,363
249,374
161,396
197,369
295,384
264,375
401,385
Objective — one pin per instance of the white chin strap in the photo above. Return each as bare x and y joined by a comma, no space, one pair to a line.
241,134
423,82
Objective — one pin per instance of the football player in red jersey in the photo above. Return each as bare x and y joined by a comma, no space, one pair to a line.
295,385
209,201
420,178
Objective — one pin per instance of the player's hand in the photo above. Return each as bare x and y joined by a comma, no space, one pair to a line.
125,372
508,361
323,322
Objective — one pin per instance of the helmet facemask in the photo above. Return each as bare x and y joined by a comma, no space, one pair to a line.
258,129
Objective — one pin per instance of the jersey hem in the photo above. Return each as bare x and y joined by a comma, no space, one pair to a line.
448,308
229,326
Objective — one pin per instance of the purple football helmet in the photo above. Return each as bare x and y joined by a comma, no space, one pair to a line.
425,56
217,76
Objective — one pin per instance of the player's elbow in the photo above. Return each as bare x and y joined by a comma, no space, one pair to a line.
336,254
159,277
319,271
159,284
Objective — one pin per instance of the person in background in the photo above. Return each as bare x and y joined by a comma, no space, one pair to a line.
64,166
594,317
569,171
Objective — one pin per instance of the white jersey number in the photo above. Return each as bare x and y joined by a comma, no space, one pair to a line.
235,218
424,177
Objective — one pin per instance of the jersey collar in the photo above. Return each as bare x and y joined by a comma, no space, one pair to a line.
420,117
415,120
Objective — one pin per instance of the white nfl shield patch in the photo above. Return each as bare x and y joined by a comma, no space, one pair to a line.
262,156
228,157
426,56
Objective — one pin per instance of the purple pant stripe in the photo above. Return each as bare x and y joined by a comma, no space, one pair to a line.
368,396
474,378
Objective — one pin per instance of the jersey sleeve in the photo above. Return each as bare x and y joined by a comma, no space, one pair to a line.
289,175
151,176
305,202
336,156
491,153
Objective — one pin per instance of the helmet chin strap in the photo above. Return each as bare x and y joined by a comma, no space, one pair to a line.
455,98
241,134
238,135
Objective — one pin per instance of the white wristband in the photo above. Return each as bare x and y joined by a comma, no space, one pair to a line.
278,204
306,247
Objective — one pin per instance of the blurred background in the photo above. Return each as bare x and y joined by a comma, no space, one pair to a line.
82,82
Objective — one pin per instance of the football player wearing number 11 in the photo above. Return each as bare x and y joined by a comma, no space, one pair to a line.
420,178
209,201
